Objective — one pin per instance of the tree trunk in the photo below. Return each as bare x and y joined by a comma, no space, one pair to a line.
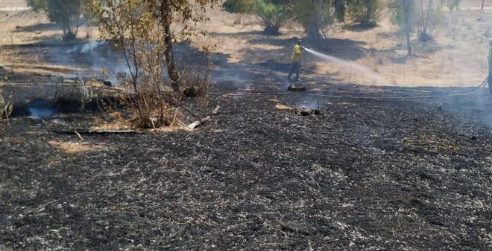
313,32
172,69
406,17
409,45
483,3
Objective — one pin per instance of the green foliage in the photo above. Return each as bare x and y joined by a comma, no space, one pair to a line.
451,4
364,12
340,9
37,5
317,17
238,6
428,17
63,12
140,29
273,13
136,32
402,13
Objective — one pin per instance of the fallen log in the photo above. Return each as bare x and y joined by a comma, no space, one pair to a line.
303,111
216,110
78,132
198,123
306,111
191,92
296,88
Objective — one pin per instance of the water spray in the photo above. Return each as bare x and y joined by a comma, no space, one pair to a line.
342,62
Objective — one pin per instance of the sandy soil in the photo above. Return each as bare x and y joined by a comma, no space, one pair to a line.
460,40
13,5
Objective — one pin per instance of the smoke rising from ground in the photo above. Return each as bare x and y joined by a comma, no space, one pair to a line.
104,63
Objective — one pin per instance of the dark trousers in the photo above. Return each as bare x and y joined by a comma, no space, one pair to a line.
295,68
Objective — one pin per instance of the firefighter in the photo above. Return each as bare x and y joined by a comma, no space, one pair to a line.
489,79
296,60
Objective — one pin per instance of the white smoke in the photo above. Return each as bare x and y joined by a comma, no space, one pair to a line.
91,46
105,63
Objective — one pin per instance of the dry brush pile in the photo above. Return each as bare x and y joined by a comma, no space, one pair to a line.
6,109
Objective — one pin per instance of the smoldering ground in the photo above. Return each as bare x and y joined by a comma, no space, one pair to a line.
354,176
379,168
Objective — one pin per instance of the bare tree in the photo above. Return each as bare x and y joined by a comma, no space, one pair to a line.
141,30
156,12
407,12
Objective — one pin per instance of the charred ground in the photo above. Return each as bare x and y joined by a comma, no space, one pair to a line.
385,168
380,168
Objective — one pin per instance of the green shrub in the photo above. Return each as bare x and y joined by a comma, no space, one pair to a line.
63,12
272,13
365,12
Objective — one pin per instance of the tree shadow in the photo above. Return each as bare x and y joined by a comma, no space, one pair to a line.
241,33
341,48
356,27
344,48
40,27
274,59
37,27
419,49
257,38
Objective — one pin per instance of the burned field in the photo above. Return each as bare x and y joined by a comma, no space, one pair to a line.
374,170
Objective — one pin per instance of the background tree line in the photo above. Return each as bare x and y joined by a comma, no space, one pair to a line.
318,16
315,16
141,30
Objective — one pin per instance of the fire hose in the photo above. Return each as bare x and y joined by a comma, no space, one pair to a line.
473,91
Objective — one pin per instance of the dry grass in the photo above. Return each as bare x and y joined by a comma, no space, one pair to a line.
76,92
5,108
77,147
460,40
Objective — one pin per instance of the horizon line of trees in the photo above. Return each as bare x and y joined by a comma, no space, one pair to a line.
141,30
317,17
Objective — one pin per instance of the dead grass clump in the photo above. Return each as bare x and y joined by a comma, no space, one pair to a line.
77,148
431,143
116,116
150,109
196,80
6,109
73,92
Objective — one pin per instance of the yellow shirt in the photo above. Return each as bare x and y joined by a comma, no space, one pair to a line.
297,53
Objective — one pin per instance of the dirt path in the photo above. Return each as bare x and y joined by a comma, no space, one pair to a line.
13,5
